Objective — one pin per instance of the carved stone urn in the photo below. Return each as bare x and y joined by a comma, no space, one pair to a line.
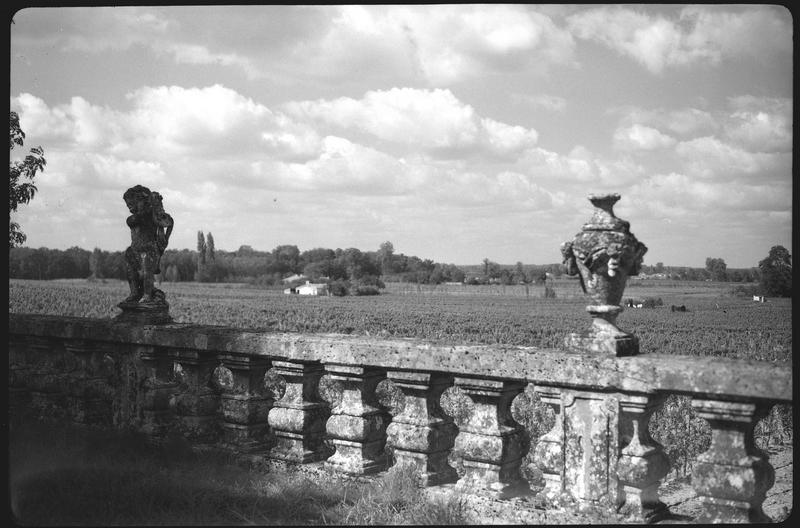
603,255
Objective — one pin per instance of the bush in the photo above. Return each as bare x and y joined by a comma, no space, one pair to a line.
743,290
338,288
652,302
367,290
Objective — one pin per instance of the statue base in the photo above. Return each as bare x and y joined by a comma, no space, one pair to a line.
145,313
612,345
604,337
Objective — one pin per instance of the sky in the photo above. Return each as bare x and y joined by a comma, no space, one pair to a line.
456,132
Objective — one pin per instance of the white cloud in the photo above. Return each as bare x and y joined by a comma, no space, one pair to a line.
428,119
761,124
700,34
639,137
711,158
673,195
456,42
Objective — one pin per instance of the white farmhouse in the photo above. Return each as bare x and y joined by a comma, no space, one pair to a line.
309,288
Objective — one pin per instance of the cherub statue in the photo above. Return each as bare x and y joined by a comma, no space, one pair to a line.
150,227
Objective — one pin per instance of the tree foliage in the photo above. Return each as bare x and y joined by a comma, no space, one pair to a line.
717,268
21,189
776,272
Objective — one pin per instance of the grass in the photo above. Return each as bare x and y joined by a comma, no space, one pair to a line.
64,475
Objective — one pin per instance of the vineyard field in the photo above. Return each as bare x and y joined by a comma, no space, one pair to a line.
716,323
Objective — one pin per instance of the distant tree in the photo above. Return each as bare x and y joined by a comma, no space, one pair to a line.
776,272
201,249
386,257
21,192
717,268
245,251
96,263
286,259
659,268
519,273
320,268
210,247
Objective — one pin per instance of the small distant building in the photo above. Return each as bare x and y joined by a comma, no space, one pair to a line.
759,298
309,288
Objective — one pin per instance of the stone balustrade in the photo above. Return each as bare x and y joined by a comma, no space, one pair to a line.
357,405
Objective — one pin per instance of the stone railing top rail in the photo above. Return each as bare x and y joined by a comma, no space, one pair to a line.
726,379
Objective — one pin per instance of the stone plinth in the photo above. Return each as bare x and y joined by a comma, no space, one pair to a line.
143,313
591,447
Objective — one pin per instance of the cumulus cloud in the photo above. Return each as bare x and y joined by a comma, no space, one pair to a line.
712,158
760,124
456,42
700,34
428,119
439,44
639,137
675,194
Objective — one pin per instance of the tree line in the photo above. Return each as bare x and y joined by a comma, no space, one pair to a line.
352,268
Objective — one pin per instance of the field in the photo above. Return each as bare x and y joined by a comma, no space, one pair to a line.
716,323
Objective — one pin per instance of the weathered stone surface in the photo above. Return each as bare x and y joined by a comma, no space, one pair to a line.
590,446
732,477
490,441
549,451
603,255
195,402
421,434
643,373
297,418
642,463
357,425
150,228
595,398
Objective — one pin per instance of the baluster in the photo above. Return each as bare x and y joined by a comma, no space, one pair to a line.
196,403
732,477
298,415
245,404
642,462
491,442
549,451
90,395
357,425
158,386
421,434
19,368
47,379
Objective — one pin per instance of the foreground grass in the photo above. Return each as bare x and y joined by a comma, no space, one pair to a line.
63,475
